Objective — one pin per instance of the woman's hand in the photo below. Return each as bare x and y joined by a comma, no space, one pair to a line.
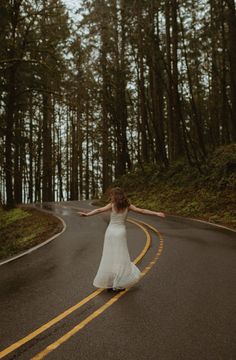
161,214
83,214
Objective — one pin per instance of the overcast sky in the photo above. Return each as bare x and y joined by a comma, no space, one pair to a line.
72,4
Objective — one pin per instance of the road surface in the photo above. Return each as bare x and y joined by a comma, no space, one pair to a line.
183,308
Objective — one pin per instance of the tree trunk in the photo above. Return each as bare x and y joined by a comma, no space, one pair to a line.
47,145
232,59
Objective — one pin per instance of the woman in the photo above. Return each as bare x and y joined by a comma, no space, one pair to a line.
116,271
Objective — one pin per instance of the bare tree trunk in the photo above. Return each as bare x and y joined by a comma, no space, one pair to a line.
232,59
141,91
74,159
170,116
87,153
47,144
11,105
80,155
157,94
176,100
224,113
31,185
104,98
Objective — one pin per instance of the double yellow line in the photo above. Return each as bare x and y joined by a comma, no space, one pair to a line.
96,313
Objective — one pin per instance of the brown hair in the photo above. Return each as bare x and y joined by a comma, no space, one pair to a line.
120,199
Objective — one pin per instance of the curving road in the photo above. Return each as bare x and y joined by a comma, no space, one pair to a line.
183,308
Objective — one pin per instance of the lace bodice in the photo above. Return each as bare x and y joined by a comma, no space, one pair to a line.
118,218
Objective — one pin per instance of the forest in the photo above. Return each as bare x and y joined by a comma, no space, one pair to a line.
85,100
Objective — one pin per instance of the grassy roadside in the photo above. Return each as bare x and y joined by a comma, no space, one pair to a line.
23,228
183,191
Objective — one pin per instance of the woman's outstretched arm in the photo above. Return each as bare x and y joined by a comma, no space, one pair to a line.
96,211
145,211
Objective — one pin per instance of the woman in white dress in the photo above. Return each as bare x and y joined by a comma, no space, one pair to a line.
116,271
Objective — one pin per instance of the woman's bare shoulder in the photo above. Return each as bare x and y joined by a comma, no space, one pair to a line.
106,207
131,207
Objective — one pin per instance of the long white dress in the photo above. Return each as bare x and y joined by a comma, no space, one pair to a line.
116,269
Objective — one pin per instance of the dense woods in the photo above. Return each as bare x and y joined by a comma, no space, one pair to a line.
127,82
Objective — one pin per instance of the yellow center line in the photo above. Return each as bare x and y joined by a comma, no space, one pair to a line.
100,310
148,242
160,247
69,311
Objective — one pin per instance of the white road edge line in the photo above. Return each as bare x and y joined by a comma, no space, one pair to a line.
64,228
37,246
204,221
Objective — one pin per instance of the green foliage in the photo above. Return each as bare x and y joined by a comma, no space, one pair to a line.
222,168
182,190
9,217
23,228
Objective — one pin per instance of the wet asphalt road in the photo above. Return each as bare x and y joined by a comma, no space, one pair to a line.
184,308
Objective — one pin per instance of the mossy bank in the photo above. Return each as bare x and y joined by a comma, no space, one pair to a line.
182,190
23,227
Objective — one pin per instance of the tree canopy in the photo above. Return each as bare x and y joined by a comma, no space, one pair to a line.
85,100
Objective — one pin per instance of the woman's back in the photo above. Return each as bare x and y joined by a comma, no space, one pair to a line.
118,217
